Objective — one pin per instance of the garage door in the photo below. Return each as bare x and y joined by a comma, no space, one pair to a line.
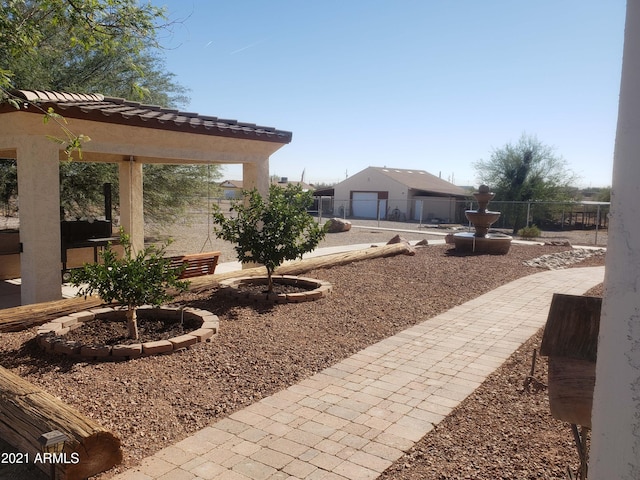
365,204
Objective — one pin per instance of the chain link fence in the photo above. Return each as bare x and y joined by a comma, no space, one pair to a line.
420,212
445,211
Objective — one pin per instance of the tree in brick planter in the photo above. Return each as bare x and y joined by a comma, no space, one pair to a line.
132,280
270,231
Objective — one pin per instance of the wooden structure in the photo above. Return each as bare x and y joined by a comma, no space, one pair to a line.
570,341
27,412
197,264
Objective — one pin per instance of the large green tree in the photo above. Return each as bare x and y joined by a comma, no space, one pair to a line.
101,46
32,30
527,170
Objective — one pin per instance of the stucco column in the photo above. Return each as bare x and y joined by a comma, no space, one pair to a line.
131,206
39,201
256,175
615,444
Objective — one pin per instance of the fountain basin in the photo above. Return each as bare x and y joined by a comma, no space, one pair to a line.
491,243
486,218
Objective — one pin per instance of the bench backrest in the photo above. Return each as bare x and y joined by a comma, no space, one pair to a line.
197,264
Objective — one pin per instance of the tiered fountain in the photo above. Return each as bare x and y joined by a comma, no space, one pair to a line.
482,241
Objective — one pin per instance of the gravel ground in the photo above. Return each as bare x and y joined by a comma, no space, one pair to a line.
153,402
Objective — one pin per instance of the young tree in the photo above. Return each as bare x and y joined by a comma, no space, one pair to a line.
270,232
130,280
527,170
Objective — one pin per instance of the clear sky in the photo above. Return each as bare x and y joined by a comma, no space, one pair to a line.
417,84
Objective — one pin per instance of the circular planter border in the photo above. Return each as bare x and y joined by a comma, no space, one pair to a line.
317,289
51,335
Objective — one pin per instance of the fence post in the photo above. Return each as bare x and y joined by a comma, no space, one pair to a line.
597,224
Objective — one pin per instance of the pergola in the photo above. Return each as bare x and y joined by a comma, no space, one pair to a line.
126,133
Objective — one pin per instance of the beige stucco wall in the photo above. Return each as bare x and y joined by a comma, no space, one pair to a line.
615,438
39,203
370,180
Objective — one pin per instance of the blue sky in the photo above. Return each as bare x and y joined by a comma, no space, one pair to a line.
418,84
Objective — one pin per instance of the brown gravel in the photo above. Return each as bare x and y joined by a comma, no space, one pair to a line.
153,402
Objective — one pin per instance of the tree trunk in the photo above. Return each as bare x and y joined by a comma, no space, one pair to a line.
27,411
269,280
132,322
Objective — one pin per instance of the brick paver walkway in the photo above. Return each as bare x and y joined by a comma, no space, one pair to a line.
354,419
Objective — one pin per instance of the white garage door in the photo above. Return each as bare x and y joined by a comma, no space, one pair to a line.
365,204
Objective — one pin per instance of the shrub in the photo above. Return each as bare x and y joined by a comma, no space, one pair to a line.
270,232
529,232
132,280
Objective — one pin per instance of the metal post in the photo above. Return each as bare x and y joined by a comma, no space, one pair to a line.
597,224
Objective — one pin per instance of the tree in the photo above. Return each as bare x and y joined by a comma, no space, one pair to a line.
273,231
527,170
33,28
8,182
105,46
130,280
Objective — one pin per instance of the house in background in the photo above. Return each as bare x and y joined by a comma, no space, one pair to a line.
397,194
233,188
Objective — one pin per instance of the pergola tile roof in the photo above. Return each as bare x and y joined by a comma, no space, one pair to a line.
91,106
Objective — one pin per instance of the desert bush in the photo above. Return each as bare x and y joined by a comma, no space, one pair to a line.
529,232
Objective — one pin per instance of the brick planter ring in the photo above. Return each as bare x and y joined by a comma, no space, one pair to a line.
314,289
51,335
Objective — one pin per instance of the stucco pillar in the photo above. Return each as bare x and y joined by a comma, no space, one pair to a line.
131,206
615,444
256,175
39,202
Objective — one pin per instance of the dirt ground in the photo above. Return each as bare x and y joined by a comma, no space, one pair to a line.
498,432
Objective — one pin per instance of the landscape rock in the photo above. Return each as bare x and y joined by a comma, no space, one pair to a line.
398,239
337,225
558,243
555,261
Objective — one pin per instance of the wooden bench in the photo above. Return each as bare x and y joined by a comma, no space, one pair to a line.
197,264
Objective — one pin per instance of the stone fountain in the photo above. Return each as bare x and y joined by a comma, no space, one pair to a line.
482,241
